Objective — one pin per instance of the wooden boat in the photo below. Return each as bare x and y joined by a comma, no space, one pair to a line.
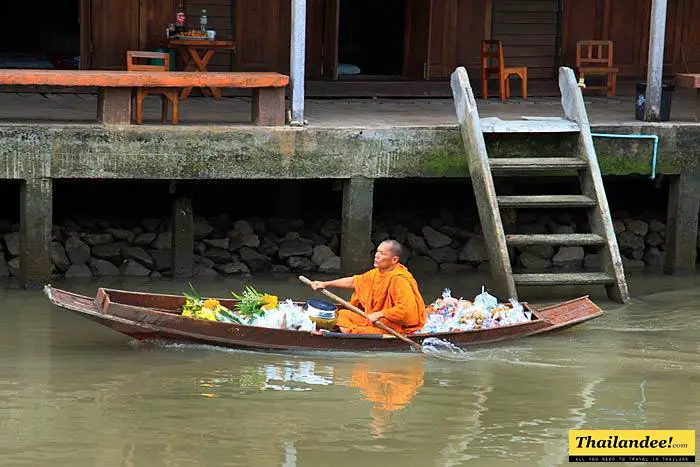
148,316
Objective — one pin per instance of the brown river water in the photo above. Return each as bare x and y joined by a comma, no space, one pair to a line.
75,394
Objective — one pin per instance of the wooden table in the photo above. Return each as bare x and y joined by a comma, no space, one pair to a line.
691,81
189,51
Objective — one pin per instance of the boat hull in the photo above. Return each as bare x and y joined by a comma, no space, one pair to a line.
146,316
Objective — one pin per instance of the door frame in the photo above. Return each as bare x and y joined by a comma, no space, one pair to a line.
85,35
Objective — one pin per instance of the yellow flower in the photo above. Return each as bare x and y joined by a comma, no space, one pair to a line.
269,302
211,304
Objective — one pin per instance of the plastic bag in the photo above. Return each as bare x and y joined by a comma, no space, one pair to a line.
296,318
274,318
485,300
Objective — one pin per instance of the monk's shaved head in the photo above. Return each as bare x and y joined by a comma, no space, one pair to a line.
395,247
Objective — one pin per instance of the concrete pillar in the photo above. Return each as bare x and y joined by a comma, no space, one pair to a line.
356,234
36,217
298,55
655,68
183,238
682,222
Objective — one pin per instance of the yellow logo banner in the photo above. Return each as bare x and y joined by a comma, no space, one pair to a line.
632,445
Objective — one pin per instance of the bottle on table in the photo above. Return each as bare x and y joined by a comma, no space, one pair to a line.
203,20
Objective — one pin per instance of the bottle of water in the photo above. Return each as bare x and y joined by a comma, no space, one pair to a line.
203,20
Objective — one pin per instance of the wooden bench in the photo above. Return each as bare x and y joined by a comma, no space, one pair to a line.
691,81
115,88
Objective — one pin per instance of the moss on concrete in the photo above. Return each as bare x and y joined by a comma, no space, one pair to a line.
93,151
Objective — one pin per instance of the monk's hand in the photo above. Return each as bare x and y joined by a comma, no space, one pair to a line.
373,317
316,285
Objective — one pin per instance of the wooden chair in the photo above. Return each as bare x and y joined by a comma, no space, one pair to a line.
596,58
168,95
493,50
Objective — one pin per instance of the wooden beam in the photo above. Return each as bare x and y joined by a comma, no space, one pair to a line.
655,68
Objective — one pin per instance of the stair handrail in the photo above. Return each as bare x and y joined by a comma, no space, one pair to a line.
482,182
575,110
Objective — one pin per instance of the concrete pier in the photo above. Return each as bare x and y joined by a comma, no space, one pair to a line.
356,234
391,141
36,213
682,221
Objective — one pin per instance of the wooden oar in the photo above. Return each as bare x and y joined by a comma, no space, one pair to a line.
354,309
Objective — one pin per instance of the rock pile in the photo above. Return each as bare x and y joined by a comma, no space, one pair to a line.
443,247
222,247
227,247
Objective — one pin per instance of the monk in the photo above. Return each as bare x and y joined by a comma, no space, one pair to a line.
388,293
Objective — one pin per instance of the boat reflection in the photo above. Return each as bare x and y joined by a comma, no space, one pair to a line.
286,376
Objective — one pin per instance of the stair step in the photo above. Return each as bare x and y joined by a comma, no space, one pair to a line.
537,163
564,278
545,201
529,125
585,239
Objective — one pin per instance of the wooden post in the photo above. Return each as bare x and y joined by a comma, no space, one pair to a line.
655,68
298,53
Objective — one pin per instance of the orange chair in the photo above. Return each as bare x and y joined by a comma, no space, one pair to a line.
168,95
596,58
493,50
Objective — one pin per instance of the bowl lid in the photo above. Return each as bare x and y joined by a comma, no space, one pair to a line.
321,305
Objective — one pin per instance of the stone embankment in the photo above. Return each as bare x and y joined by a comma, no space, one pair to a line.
231,247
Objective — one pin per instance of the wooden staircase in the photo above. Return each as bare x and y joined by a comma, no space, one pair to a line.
583,160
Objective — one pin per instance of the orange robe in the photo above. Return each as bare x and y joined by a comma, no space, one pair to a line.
395,293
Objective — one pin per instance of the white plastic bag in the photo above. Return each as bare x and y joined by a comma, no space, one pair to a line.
485,300
271,319
296,318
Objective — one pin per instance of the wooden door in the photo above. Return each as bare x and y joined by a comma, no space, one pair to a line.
417,39
442,38
626,23
331,35
154,15
114,29
689,44
262,35
315,23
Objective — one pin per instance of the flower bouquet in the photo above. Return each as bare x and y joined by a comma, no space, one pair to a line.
210,309
253,304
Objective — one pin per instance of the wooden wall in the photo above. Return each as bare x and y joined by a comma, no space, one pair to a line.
219,18
116,26
626,23
440,34
529,30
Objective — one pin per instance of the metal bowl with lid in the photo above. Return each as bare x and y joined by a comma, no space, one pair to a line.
321,312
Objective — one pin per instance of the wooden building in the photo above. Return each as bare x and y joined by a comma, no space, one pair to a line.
394,46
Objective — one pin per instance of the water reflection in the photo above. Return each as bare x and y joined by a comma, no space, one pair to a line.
288,376
388,386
